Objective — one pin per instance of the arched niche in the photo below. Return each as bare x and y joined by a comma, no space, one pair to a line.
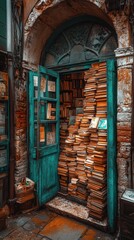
44,21
80,40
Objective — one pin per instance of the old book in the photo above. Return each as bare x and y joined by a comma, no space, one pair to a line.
42,134
102,124
49,106
78,102
101,103
50,137
42,85
94,123
51,86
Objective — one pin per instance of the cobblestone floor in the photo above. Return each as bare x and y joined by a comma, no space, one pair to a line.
47,225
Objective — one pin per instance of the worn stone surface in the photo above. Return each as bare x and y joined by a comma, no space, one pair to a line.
93,235
124,56
62,228
122,26
75,210
49,226
124,87
20,234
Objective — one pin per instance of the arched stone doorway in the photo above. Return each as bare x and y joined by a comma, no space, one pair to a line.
81,41
48,22
43,20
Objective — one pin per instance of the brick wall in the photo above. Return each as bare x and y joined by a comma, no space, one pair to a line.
124,56
21,129
124,126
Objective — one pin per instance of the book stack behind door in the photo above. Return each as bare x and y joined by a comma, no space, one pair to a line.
97,150
101,91
83,144
71,153
63,172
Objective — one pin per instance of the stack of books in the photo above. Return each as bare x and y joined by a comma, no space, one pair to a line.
71,154
92,145
96,161
72,187
101,91
90,92
83,141
63,172
97,181
82,176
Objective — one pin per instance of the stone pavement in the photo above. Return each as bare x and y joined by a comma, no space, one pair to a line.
44,224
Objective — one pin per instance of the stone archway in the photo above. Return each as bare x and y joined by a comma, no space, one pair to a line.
44,19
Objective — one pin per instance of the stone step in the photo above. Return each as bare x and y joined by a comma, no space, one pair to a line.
75,210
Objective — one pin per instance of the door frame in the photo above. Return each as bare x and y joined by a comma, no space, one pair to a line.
111,131
112,135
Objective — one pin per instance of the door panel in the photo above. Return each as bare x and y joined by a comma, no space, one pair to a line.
44,132
49,177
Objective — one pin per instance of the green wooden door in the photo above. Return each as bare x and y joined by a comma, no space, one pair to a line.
44,132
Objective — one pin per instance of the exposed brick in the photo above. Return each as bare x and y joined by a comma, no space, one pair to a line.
124,133
124,126
123,139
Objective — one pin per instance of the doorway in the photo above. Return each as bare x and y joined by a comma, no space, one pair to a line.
88,138
85,157
78,49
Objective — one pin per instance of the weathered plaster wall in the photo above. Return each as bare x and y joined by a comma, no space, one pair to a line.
45,17
122,27
124,115
124,55
28,6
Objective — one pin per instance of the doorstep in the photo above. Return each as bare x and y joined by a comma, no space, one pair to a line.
75,210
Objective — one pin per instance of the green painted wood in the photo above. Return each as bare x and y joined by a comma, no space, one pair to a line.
38,116
6,143
44,165
33,165
48,99
111,148
49,177
3,25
